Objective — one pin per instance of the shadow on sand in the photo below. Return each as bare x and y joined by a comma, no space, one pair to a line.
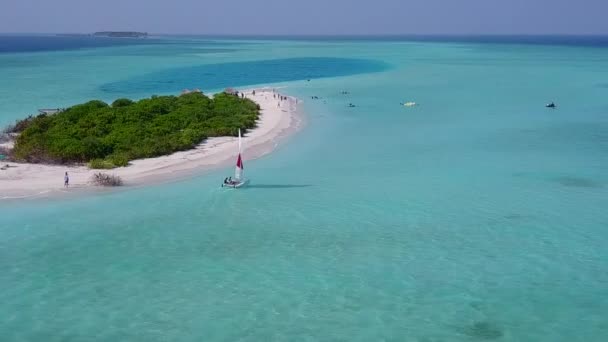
277,186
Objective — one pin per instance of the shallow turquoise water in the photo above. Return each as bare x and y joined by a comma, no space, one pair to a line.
478,215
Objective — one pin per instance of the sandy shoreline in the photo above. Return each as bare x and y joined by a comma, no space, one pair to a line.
275,123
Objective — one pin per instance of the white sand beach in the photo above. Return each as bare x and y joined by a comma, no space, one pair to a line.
21,180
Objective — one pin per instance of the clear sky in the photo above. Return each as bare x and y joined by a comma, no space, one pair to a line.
288,17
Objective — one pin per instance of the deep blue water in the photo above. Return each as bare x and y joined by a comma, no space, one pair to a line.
9,44
569,40
40,43
558,40
221,75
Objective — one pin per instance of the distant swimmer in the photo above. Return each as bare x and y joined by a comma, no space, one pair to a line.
350,105
551,105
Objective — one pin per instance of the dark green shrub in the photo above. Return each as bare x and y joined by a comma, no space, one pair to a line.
122,103
119,160
101,164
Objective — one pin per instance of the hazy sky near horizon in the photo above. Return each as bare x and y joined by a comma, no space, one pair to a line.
285,17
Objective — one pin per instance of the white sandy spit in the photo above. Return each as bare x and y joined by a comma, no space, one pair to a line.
276,122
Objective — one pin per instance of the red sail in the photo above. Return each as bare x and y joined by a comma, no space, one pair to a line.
239,162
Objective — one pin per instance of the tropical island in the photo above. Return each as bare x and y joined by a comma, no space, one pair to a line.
121,34
107,136
174,137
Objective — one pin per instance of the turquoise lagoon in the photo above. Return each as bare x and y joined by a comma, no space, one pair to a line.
478,215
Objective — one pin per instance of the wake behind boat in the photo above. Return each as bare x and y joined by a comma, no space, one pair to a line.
239,179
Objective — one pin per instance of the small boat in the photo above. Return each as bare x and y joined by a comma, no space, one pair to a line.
239,180
551,105
409,104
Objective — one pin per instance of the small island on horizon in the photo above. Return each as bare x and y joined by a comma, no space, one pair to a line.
121,34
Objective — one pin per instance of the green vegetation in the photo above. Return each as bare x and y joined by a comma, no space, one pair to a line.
107,136
102,164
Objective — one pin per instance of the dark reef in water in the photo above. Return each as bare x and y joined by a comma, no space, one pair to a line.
578,182
483,331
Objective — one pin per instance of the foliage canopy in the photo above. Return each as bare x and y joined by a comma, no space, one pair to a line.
109,136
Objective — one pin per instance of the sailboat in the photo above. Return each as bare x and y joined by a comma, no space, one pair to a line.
239,179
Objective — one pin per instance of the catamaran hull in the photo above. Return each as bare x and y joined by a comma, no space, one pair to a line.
236,185
238,181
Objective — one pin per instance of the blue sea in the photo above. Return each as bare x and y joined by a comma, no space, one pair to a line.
477,215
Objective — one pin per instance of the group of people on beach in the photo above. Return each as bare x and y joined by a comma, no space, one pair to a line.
279,97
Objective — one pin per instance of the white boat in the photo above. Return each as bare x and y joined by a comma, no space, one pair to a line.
239,180
410,104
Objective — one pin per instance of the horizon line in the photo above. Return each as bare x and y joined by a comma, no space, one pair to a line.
330,34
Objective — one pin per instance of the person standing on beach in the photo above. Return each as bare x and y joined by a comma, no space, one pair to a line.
66,180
